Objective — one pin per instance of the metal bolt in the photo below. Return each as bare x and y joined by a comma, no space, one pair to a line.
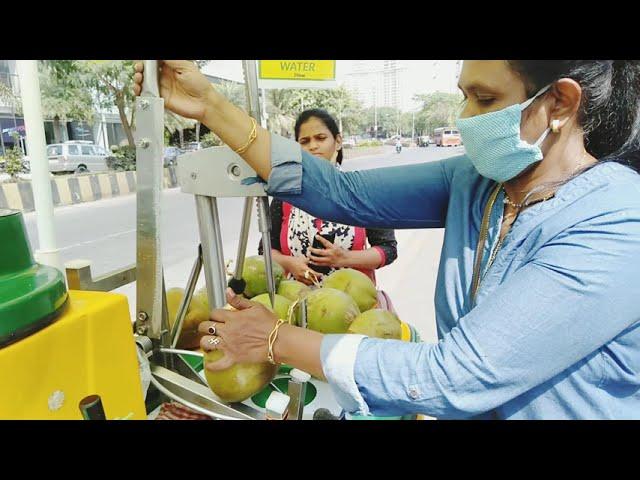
143,143
142,316
235,170
144,104
194,175
141,330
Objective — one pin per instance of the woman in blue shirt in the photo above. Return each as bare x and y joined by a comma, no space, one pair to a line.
537,294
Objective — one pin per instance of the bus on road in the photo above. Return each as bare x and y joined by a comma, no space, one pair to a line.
447,137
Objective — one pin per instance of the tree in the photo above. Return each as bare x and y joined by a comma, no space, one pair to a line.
7,96
112,80
64,96
438,110
13,158
284,106
173,123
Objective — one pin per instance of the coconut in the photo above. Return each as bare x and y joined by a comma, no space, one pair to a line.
330,310
291,289
255,275
377,323
356,284
282,305
196,313
240,381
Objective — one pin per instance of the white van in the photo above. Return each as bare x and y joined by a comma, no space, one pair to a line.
77,156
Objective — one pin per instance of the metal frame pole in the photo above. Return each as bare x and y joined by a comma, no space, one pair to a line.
150,294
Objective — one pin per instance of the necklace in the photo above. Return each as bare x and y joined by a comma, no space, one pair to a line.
520,206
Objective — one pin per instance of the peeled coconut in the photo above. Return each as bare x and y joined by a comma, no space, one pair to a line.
330,310
282,305
255,275
196,313
377,323
356,284
291,289
240,381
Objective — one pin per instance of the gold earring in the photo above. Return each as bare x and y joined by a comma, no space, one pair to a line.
555,126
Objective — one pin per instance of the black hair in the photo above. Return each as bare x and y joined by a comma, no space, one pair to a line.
326,118
609,111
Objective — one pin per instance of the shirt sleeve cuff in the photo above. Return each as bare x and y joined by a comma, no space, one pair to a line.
338,354
286,166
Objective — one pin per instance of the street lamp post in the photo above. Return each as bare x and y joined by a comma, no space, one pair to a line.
375,114
47,253
413,125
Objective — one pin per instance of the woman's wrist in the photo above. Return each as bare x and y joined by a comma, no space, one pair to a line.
280,346
284,262
300,348
347,260
214,103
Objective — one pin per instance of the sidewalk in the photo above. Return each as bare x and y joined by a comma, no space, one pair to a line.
74,189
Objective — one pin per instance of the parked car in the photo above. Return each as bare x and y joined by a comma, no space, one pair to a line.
171,155
192,146
77,156
348,142
424,141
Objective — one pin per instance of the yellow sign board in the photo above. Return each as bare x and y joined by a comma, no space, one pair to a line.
299,70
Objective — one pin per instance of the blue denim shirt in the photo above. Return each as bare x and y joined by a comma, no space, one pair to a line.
554,332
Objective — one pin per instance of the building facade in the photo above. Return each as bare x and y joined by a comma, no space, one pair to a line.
377,83
105,130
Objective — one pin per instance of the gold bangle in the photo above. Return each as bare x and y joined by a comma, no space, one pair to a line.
273,336
252,137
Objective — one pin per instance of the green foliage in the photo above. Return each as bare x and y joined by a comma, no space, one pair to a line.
122,158
13,159
210,140
438,110
284,106
369,143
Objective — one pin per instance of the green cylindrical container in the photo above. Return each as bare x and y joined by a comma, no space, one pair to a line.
31,295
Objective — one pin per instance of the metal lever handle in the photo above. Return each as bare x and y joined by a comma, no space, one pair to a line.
150,86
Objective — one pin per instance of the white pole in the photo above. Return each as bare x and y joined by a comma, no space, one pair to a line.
413,126
47,254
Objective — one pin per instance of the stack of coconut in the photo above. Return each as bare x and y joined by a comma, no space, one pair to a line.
344,302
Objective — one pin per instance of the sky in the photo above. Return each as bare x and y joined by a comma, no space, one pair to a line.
419,76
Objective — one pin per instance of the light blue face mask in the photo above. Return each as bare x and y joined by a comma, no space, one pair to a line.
493,144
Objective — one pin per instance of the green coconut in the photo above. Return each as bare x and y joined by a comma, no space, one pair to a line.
240,381
377,323
282,305
330,310
254,273
356,284
196,313
291,289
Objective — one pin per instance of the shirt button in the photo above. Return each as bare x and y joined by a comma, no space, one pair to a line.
413,393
